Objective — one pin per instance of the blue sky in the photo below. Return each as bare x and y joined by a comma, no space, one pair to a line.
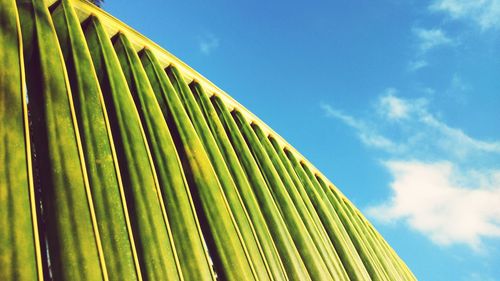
396,101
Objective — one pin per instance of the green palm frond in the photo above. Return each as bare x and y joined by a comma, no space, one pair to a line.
120,162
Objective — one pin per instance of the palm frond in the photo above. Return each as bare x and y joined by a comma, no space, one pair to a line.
121,162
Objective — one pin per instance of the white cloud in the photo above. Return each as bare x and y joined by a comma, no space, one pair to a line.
208,43
485,13
443,185
437,135
392,107
431,38
426,40
420,131
455,140
417,64
447,204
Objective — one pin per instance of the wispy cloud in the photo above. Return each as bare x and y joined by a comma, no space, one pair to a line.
417,64
485,13
392,107
423,129
439,188
366,133
478,276
208,43
431,38
420,130
427,40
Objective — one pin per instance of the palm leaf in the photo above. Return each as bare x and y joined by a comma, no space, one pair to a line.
121,162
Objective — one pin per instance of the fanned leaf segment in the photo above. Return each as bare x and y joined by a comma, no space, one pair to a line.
119,162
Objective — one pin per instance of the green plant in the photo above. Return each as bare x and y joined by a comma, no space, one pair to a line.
119,162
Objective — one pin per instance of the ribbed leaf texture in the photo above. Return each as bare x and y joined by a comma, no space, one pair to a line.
120,162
